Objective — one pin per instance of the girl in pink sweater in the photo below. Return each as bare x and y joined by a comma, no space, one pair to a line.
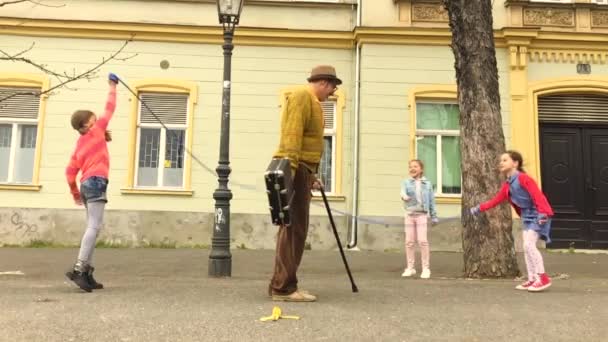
92,159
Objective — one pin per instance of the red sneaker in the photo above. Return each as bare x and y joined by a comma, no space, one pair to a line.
541,284
524,286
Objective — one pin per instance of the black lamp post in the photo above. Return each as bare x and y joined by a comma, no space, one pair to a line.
220,259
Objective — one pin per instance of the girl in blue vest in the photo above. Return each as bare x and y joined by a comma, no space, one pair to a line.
419,202
524,195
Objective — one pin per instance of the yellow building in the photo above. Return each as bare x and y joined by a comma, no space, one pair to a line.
398,101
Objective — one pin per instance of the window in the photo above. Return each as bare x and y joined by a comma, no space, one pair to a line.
159,163
438,144
19,108
327,167
160,149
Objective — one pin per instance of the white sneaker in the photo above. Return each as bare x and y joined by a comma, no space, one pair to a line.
426,273
409,272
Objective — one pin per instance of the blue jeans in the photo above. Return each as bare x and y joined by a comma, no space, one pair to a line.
94,190
93,194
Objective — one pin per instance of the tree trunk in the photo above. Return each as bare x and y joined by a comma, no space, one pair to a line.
487,239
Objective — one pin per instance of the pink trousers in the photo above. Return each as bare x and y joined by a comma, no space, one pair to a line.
534,260
416,231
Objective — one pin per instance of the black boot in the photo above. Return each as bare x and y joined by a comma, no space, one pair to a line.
80,278
94,284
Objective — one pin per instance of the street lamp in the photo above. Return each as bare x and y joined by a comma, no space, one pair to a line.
220,259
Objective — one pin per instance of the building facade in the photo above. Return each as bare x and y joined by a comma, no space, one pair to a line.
398,102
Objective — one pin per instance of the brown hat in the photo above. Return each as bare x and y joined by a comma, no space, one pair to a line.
324,72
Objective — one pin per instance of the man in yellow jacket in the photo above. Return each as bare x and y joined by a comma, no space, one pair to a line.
301,142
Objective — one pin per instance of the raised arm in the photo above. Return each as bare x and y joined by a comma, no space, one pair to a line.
104,120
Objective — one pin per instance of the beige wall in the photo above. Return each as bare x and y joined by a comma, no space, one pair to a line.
543,71
388,73
259,73
331,17
385,13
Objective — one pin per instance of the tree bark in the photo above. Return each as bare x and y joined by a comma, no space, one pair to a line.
487,239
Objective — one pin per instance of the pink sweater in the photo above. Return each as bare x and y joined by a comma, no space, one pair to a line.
91,155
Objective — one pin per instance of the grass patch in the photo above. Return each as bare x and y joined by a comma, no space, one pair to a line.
8,245
102,244
111,244
198,246
162,245
37,243
307,246
392,250
241,246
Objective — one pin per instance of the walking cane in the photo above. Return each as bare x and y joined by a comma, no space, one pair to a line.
333,226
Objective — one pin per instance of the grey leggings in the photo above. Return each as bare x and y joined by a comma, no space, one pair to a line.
94,223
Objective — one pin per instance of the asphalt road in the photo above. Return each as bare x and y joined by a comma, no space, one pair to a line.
166,295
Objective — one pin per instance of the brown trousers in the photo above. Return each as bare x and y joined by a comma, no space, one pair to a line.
291,240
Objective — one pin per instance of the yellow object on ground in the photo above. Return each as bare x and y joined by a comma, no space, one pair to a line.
276,315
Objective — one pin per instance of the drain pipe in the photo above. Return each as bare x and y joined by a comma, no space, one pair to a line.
352,241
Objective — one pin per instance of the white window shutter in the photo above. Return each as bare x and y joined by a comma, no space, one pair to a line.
329,113
19,103
170,109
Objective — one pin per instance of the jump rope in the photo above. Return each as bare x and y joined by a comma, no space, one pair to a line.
250,187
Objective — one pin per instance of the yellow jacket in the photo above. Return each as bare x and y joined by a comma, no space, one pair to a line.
302,128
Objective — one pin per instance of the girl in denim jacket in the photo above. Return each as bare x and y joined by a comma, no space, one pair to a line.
419,202
532,206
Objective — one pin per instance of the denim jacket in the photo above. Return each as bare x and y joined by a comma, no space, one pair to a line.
408,187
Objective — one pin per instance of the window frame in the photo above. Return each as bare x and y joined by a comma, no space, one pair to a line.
23,80
161,152
438,134
332,134
160,86
162,148
444,94
16,135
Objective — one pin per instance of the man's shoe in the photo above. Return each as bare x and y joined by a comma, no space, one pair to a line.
297,296
301,291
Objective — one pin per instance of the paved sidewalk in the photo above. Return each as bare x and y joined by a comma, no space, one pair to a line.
165,295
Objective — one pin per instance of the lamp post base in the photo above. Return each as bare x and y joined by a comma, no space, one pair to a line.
220,267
